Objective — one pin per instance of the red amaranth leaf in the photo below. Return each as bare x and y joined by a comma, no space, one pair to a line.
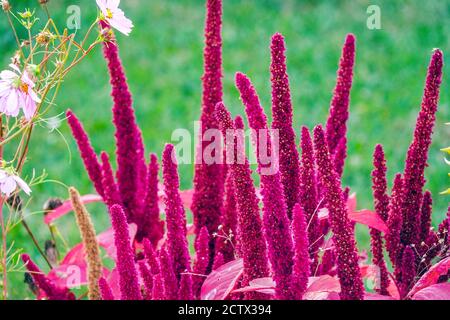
262,285
221,282
432,276
440,291
66,207
368,218
325,283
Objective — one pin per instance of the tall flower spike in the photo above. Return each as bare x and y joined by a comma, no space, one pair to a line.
282,120
381,200
185,292
201,259
347,258
395,222
152,226
111,193
88,155
158,289
408,271
147,279
308,196
170,282
130,157
275,219
336,127
425,216
128,276
218,260
105,289
175,215
51,290
151,257
250,233
88,235
339,156
208,178
226,243
417,156
301,269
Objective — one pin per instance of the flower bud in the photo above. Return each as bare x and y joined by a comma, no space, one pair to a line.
5,5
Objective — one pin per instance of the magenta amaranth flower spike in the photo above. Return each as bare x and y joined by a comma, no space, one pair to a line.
185,292
250,234
147,279
111,193
170,282
158,288
347,258
301,269
327,264
339,156
226,240
105,289
417,156
336,127
152,226
128,283
282,120
201,259
88,155
175,215
275,219
130,157
208,178
308,196
218,260
395,222
381,200
151,257
425,216
51,290
408,271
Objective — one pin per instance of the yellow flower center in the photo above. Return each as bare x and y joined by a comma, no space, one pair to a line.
24,87
109,14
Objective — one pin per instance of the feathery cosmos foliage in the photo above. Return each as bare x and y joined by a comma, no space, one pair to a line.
209,178
175,215
129,285
88,235
417,156
250,233
282,120
347,257
336,127
300,272
381,199
275,219
52,291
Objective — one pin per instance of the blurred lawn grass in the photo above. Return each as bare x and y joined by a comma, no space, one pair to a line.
163,61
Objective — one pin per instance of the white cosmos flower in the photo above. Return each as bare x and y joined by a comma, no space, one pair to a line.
9,183
115,16
16,92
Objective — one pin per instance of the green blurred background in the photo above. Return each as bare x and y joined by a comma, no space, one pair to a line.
163,61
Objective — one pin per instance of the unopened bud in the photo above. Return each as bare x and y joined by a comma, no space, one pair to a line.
44,1
52,204
6,6
44,37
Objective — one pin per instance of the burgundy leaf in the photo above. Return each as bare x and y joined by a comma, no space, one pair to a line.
432,276
221,282
440,291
